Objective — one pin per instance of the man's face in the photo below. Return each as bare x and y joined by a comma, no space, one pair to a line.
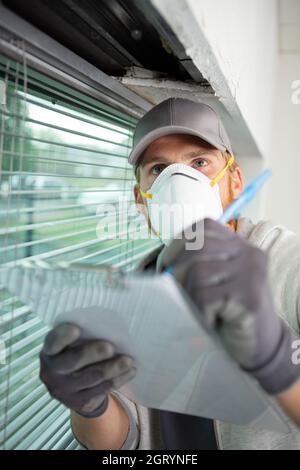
192,151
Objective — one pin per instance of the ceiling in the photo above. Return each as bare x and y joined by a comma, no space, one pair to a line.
130,40
113,35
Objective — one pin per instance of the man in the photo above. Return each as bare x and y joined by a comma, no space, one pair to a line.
227,279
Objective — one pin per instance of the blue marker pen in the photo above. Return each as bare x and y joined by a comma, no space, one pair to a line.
245,197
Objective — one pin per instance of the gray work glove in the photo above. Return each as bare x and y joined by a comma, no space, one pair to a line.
80,373
227,280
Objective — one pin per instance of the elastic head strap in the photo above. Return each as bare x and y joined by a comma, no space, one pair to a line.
147,195
222,172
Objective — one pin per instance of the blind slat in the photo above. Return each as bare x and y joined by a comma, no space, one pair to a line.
54,414
56,432
57,436
56,144
25,210
62,129
63,112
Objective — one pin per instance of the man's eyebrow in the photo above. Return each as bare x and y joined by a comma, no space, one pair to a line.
155,158
197,153
162,159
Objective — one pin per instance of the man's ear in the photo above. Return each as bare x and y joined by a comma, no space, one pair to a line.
139,201
236,182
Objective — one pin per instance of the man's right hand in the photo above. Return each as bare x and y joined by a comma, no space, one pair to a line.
80,373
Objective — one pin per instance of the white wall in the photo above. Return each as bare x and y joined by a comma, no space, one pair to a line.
244,37
283,196
257,45
234,43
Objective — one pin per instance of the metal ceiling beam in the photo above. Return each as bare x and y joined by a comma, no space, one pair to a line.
170,40
45,53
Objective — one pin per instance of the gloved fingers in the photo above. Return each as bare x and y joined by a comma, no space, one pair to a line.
214,230
181,264
84,354
207,229
95,374
92,404
210,313
243,289
238,331
206,273
204,296
171,253
250,263
210,228
60,337
121,380
84,396
226,315
69,389
213,250
222,313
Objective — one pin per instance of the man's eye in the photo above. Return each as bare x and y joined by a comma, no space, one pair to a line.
157,169
200,163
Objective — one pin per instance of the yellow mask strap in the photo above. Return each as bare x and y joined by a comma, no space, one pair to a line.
147,195
222,172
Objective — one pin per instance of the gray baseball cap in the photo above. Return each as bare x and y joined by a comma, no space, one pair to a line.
179,116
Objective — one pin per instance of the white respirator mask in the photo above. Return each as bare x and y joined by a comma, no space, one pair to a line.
179,197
